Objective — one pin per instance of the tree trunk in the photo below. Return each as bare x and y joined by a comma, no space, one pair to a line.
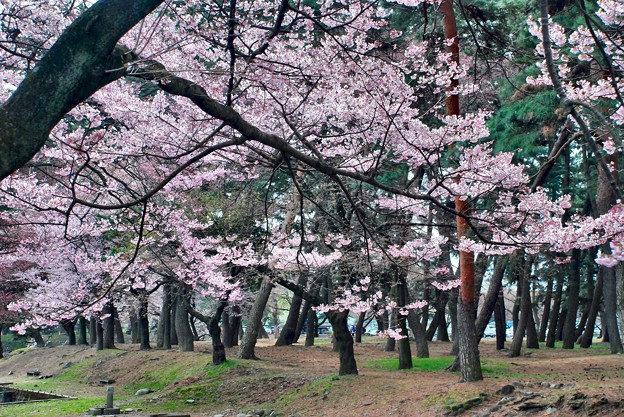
551,335
610,307
254,321
109,325
492,296
287,336
99,331
143,323
119,336
134,328
546,312
302,320
165,317
183,328
82,331
218,348
594,309
359,327
235,325
500,322
228,332
92,331
36,334
574,283
525,308
440,306
68,326
344,341
173,334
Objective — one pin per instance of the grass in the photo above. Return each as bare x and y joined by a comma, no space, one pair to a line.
490,367
52,408
157,378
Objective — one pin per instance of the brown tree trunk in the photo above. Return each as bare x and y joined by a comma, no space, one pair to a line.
551,335
143,323
405,351
82,331
574,283
525,308
500,322
344,341
287,336
359,327
109,326
68,325
119,336
594,309
183,328
254,321
92,331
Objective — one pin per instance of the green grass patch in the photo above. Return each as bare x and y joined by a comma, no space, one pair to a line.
319,388
420,364
490,367
52,408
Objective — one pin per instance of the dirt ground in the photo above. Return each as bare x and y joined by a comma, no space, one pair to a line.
591,377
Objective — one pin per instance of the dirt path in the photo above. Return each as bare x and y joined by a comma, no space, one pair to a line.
374,392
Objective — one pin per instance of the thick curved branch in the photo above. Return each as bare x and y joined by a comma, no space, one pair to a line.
79,63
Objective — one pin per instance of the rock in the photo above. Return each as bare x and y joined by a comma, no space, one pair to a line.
531,405
190,401
550,410
556,386
96,411
143,391
241,415
504,401
517,384
218,415
506,390
111,411
67,365
10,373
545,384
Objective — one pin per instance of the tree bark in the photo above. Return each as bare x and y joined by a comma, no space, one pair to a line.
92,331
554,313
143,323
359,327
500,322
287,336
183,328
68,325
99,331
82,331
525,308
119,336
254,321
574,283
79,63
588,335
109,325
344,341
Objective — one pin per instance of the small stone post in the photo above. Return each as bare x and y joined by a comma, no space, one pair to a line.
109,397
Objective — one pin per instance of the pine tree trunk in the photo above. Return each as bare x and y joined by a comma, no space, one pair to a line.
173,334
499,321
134,327
92,331
109,326
82,331
183,328
491,297
254,321
165,317
574,283
227,330
99,331
525,308
143,324
344,341
302,320
68,326
551,335
287,336
119,336
588,335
